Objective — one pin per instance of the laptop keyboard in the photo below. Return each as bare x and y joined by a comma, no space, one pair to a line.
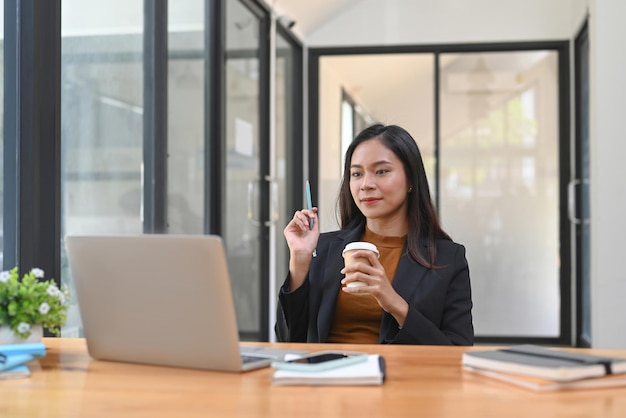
246,359
252,353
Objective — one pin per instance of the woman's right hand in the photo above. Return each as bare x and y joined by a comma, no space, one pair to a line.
302,242
300,238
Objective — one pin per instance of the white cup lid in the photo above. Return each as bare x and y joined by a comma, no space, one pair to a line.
361,245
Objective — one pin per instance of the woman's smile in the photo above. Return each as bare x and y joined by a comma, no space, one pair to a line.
370,200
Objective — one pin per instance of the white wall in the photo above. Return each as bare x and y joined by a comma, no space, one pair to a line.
330,158
608,148
395,22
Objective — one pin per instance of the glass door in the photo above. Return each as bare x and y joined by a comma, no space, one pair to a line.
286,183
500,184
101,126
495,140
244,228
186,125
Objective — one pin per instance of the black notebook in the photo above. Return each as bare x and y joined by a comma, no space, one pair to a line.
542,385
547,363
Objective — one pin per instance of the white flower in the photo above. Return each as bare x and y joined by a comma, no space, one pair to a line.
53,290
23,327
64,295
4,276
38,273
44,308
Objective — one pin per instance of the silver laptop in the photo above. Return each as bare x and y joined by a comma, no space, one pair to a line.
160,299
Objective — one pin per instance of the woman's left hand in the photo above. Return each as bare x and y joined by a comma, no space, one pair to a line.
376,284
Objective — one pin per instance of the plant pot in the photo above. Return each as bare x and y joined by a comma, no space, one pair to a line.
7,336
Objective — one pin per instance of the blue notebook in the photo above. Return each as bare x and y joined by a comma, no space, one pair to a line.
15,373
14,355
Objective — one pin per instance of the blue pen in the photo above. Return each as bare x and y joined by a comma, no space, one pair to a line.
308,202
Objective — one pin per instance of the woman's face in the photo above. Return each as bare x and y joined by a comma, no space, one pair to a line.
378,183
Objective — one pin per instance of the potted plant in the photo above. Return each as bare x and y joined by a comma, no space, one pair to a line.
30,304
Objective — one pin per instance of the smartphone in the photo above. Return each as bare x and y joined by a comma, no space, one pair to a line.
324,360
309,202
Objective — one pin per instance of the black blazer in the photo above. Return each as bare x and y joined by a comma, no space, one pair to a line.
440,301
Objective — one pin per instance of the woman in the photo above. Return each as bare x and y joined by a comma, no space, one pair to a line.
416,292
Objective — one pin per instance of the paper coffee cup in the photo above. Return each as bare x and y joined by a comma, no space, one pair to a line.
348,260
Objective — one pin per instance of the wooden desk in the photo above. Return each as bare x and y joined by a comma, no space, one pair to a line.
422,381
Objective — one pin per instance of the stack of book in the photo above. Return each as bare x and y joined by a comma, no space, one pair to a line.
368,372
13,359
543,369
540,368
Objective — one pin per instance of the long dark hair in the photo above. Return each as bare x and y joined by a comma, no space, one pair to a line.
422,216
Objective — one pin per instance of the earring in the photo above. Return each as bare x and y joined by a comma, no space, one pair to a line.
410,189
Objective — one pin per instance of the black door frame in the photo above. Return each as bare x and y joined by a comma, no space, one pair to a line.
581,172
562,48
